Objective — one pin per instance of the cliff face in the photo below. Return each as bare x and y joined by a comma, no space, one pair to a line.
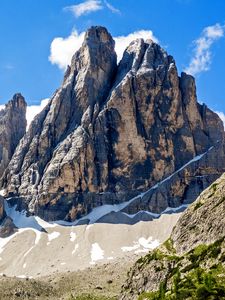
12,128
190,265
111,132
2,209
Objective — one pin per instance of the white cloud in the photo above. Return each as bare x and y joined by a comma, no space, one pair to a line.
123,41
112,8
222,116
2,106
62,49
33,110
84,8
202,55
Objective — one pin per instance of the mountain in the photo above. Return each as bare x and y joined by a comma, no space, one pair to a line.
191,263
115,145
115,133
12,128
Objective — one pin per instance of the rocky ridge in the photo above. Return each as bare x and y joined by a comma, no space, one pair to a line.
189,265
112,132
12,129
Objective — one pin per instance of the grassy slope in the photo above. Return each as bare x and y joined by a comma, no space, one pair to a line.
199,274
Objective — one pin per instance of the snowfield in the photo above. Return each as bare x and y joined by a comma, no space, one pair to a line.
59,248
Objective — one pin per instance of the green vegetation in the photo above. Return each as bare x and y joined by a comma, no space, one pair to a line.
197,205
213,187
198,284
156,255
169,245
189,278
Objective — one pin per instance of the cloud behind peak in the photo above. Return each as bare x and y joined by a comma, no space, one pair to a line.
62,49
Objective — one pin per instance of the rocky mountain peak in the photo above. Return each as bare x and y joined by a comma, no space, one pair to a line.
96,54
17,102
98,35
12,128
144,55
111,132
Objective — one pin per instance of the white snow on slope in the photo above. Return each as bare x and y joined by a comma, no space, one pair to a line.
75,248
155,215
53,235
142,245
96,253
73,236
91,246
148,243
20,219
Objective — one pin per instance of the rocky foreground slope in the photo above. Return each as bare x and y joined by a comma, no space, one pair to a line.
111,132
191,264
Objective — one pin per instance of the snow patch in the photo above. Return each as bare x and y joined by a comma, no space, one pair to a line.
53,235
20,219
28,251
142,245
130,248
148,243
38,237
75,248
73,236
21,276
45,224
96,253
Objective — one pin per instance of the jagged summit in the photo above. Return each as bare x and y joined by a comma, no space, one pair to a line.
12,128
111,132
18,101
98,35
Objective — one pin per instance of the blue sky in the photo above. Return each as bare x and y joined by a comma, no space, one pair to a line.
28,28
